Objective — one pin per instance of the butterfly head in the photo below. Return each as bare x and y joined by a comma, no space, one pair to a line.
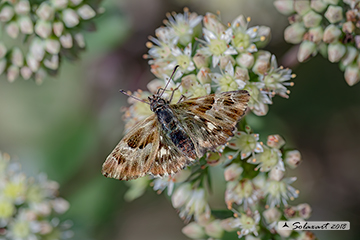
156,101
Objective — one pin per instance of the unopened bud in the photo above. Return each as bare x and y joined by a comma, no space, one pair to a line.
245,60
272,215
348,27
52,46
70,18
194,231
294,33
59,4
188,81
32,63
232,172
26,25
58,28
12,29
203,75
214,229
6,13
224,61
80,40
318,6
334,14
52,63
86,12
302,7
22,7
37,49
40,75
12,73
336,51
43,28
352,74
351,54
66,40
284,7
333,2
242,74
293,158
275,141
276,174
25,72
331,34
201,60
45,12
17,57
312,19
306,50
316,34
76,2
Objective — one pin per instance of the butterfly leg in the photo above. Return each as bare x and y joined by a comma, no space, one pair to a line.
182,98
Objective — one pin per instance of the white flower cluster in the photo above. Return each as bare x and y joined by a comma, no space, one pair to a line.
51,30
328,27
28,206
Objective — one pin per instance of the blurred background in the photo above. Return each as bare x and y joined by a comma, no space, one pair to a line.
67,126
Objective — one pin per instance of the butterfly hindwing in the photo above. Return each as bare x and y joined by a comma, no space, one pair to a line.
169,159
210,120
135,153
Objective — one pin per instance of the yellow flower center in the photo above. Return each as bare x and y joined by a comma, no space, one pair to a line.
217,46
241,41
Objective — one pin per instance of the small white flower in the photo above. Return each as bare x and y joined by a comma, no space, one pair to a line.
247,223
278,192
227,81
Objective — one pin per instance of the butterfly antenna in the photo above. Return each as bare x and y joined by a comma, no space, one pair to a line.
129,95
176,67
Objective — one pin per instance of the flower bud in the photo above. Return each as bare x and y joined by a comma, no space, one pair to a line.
294,33
70,18
76,2
245,60
188,81
283,233
284,7
293,158
276,174
336,51
45,11
58,28
32,63
334,14
59,4
312,19
17,57
348,27
52,46
25,72
6,14
22,7
352,74
194,231
262,62
275,141
272,215
12,73
302,7
43,28
26,25
86,12
212,23
306,50
53,63
214,229
203,75
351,54
242,74
12,29
201,60
232,172
39,77
37,48
2,65
316,34
66,41
80,40
333,2
228,224
304,210
318,6
3,50
181,195
224,60
331,34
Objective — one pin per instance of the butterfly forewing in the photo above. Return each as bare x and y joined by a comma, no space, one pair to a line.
135,153
210,120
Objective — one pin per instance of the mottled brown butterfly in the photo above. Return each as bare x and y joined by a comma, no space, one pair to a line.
176,134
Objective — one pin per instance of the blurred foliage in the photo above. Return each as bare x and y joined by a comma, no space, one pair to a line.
68,125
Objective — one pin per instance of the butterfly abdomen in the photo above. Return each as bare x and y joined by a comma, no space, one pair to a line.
173,130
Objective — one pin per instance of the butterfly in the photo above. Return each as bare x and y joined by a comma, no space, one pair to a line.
175,135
